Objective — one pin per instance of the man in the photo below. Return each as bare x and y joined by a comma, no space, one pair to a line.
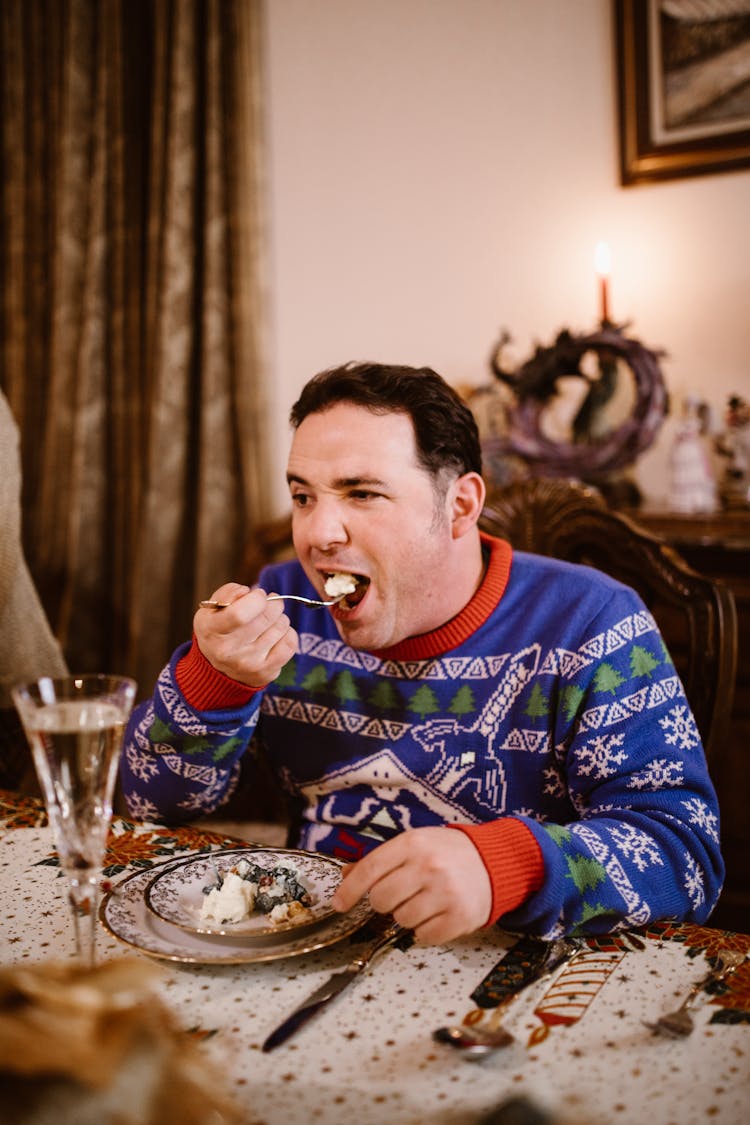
486,735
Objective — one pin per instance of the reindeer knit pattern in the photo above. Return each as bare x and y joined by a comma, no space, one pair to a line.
561,709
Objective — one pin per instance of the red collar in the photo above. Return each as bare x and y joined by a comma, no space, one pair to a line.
472,616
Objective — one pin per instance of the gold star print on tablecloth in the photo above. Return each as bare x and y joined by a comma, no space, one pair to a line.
129,844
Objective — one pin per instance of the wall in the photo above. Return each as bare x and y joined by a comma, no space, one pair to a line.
439,169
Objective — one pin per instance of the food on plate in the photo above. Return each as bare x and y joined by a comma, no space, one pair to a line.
248,888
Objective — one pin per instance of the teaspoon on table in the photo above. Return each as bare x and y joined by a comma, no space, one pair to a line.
480,1041
475,1041
679,1023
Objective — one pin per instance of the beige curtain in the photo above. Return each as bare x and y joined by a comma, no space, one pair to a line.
130,258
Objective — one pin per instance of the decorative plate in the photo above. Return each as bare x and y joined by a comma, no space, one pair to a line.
177,894
123,912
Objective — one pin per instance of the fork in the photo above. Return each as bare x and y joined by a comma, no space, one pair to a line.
208,604
679,1023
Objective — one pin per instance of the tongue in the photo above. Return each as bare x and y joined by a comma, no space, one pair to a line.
356,595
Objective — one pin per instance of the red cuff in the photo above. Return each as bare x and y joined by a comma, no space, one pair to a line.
513,859
204,687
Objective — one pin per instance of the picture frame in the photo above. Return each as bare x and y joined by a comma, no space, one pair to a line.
683,110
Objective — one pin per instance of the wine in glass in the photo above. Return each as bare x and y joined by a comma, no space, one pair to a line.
75,726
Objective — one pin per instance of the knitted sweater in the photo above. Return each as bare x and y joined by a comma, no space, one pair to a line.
546,720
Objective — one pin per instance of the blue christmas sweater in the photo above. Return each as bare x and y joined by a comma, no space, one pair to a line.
550,702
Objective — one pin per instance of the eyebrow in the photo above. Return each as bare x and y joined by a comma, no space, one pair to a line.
342,482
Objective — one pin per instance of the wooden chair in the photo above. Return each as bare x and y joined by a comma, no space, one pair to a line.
571,521
697,615
270,542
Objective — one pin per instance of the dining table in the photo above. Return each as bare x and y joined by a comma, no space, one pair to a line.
581,1048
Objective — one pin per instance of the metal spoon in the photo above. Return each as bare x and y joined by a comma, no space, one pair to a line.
479,1041
208,604
678,1024
475,1041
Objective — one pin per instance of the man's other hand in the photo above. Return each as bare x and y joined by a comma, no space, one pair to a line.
432,880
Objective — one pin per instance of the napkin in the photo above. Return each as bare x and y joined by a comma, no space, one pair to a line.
98,1046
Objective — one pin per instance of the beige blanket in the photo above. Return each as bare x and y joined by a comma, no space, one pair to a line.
28,647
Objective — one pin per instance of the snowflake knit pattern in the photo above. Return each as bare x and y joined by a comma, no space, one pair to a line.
562,709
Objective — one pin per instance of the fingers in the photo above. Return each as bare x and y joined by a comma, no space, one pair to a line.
250,640
228,593
361,877
432,880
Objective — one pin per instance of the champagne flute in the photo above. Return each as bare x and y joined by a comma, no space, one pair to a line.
75,726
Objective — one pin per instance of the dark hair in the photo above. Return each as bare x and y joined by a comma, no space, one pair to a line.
445,429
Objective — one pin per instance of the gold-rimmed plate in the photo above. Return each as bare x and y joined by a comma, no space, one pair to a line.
125,915
177,894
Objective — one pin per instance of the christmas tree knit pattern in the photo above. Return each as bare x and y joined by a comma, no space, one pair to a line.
563,710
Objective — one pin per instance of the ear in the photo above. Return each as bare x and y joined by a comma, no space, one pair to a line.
466,502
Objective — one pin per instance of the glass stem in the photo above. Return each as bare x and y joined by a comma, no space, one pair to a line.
83,893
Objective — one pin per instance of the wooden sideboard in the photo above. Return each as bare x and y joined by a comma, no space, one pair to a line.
719,546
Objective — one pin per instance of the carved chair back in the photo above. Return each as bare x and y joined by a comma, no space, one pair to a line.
696,615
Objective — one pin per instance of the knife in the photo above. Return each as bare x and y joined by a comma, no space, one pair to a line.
333,986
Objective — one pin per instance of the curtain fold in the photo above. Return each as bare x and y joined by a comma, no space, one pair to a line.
132,309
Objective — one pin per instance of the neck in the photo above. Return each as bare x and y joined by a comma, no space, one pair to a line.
489,581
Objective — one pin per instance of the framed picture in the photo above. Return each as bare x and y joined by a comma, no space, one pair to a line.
684,87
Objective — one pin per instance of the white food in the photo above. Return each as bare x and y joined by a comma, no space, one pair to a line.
286,912
233,901
339,584
247,888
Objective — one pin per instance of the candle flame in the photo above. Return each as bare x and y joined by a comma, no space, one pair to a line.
602,259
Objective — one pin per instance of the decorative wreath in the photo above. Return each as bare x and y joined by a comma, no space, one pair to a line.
533,386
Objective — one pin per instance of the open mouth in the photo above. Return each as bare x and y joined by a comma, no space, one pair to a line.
353,587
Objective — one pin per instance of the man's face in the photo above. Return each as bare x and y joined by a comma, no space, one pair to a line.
362,505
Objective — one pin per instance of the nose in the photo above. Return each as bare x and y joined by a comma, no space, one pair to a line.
324,526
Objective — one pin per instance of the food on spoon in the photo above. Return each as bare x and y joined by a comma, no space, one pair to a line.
339,584
248,888
348,589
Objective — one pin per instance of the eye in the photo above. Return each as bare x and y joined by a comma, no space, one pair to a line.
300,499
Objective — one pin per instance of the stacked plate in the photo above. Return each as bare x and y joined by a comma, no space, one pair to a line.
159,910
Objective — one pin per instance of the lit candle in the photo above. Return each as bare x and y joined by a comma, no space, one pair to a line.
603,263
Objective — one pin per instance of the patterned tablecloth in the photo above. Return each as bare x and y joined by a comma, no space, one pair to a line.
581,1052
